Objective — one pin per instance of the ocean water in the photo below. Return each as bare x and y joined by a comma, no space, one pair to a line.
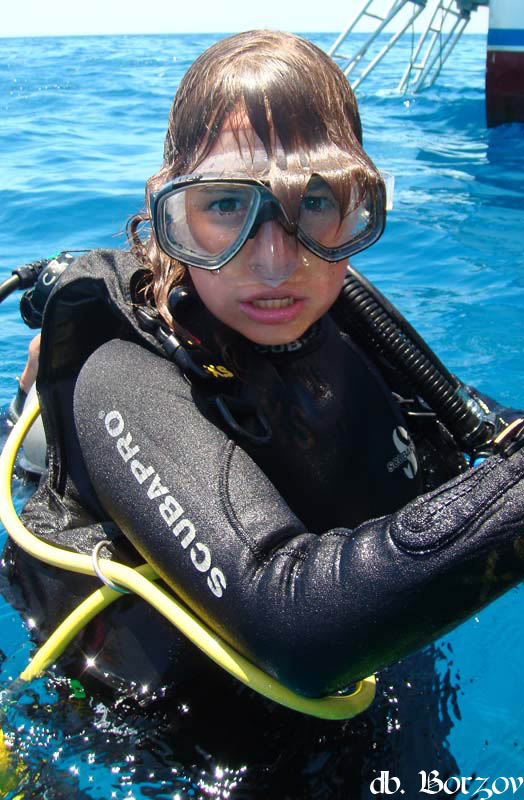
81,128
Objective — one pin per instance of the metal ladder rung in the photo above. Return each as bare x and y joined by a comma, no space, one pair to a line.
440,34
439,29
375,16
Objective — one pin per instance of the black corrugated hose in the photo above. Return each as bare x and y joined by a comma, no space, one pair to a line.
366,314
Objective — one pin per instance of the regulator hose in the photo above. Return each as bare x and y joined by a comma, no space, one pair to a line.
9,285
368,316
41,275
23,277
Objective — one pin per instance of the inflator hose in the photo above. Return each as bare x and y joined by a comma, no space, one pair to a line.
366,314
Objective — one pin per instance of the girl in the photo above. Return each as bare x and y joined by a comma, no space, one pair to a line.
211,402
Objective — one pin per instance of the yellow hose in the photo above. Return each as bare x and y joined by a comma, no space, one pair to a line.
140,582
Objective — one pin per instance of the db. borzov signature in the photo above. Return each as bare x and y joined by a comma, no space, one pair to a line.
432,784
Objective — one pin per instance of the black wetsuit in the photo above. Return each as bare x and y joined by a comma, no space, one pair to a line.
276,545
310,553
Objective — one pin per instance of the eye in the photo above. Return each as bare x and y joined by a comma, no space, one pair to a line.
316,203
319,199
226,205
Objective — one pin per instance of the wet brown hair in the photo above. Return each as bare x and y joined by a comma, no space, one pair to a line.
292,93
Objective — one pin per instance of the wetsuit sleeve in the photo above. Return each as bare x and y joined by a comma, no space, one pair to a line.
316,611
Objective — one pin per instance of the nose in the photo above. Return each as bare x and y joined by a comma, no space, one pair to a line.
274,254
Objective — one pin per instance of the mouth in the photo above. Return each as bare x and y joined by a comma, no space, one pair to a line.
273,302
272,310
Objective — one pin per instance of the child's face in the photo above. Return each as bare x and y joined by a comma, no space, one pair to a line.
274,289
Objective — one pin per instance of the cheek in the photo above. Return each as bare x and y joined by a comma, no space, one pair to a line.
212,289
328,286
337,273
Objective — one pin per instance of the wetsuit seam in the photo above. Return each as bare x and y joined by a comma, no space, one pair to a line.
444,541
467,489
227,505
298,556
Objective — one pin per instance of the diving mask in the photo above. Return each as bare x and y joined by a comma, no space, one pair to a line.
203,221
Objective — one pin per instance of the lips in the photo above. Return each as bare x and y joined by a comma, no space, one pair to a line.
272,310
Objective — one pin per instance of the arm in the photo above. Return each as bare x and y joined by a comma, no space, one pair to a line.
31,368
317,611
27,379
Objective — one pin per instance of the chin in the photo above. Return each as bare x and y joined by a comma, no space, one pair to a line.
271,335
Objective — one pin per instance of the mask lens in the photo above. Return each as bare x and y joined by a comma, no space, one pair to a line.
321,221
203,224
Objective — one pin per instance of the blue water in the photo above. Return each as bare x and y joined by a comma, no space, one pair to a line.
81,128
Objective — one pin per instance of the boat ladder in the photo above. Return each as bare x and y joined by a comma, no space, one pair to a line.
446,22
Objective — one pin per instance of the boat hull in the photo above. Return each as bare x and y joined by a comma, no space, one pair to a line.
505,63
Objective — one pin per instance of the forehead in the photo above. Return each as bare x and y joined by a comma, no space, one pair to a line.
239,151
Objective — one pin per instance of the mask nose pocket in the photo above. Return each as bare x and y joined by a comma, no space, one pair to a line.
274,252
